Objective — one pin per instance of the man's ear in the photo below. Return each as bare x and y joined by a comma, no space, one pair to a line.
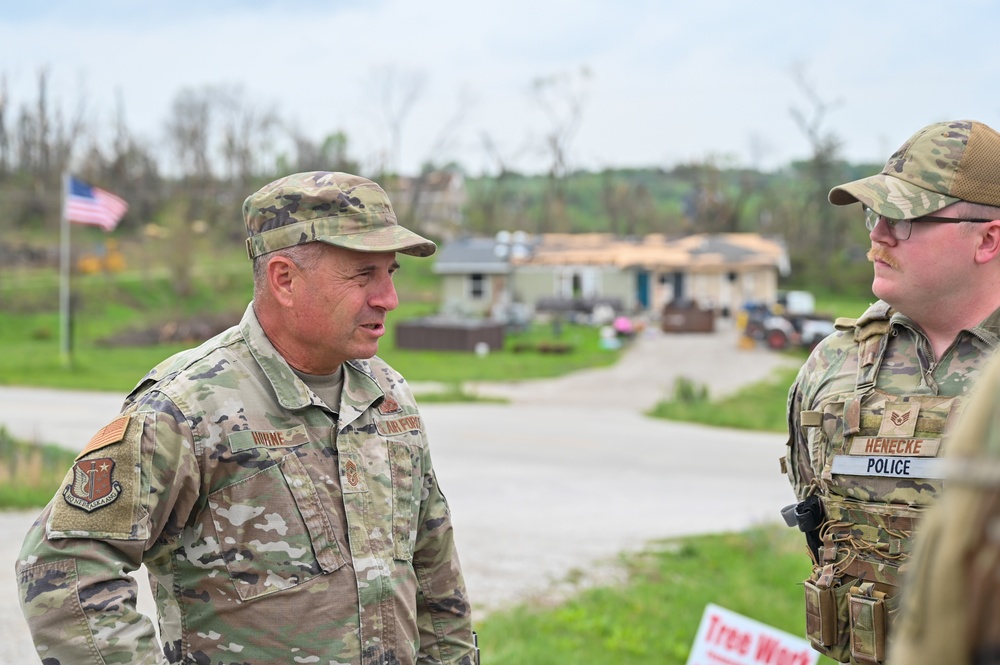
281,274
989,243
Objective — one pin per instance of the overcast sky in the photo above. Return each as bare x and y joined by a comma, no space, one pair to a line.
666,82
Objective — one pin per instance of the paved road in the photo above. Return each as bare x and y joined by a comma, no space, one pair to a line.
561,479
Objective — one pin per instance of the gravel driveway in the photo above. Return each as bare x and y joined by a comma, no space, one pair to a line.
561,479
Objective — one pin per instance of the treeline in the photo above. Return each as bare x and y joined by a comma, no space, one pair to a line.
826,245
218,146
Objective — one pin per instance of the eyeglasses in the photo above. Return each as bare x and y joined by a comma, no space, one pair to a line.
901,228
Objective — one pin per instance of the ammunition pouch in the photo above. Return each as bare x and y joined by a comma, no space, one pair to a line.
827,620
869,621
846,618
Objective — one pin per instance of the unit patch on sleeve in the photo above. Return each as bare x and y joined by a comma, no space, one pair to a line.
100,494
93,484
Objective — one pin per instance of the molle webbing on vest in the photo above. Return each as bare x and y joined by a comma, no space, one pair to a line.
879,537
928,422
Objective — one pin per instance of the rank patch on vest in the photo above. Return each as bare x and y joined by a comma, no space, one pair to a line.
93,485
899,419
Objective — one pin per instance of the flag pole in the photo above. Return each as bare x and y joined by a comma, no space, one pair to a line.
64,285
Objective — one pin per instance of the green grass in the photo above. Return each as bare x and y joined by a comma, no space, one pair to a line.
519,359
30,474
760,406
652,618
108,305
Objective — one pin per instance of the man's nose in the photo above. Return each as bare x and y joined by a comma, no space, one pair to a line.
385,295
883,233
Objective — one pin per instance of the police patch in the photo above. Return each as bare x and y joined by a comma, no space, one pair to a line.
93,484
891,467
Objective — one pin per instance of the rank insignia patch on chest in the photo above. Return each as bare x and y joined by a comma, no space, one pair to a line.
351,471
93,486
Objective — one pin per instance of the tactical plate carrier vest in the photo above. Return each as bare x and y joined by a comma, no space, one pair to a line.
880,459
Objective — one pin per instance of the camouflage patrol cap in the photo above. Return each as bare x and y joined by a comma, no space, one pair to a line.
941,164
336,208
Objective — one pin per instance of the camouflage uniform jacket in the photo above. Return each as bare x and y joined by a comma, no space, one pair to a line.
273,531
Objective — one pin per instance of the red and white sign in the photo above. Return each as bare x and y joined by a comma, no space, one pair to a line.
728,638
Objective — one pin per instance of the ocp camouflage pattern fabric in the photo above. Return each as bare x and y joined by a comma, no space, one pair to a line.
274,530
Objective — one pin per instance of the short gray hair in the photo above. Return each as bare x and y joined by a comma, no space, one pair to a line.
304,256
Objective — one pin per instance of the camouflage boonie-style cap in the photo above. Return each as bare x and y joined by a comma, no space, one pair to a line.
336,208
941,164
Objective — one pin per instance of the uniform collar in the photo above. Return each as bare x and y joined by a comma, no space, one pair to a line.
988,330
360,391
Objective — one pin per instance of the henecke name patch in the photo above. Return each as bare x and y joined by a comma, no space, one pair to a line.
887,445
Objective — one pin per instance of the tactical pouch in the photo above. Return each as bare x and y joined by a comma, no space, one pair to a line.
868,623
821,615
827,621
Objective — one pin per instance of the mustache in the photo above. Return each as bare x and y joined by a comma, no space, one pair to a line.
877,253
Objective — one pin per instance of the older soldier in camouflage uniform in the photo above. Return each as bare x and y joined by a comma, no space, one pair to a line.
872,408
276,480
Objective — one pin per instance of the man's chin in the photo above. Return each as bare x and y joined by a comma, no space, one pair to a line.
882,290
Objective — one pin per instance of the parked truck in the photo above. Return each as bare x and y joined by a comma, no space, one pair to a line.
791,322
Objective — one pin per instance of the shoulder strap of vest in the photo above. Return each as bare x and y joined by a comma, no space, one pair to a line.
871,334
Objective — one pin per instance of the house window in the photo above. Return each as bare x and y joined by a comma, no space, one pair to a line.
477,286
577,283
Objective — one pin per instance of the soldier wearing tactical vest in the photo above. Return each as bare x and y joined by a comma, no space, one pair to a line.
872,409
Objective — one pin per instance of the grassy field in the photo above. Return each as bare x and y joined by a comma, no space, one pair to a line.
108,306
760,406
30,474
652,616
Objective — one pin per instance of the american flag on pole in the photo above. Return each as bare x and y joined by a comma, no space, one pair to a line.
86,204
